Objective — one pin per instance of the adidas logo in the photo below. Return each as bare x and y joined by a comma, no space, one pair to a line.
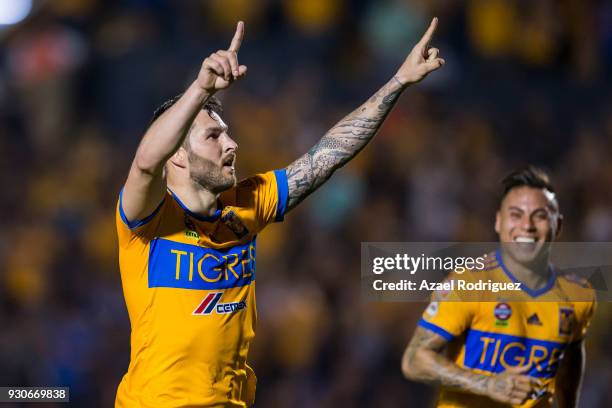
534,319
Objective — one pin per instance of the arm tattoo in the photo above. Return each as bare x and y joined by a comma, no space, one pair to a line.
340,144
425,354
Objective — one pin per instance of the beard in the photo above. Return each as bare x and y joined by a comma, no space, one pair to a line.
209,175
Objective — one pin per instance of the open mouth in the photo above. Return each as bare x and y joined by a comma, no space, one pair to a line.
526,244
229,162
525,240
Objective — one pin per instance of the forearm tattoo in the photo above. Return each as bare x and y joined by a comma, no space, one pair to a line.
439,370
340,144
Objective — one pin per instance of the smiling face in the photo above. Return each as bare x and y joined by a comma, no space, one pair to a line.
527,221
211,153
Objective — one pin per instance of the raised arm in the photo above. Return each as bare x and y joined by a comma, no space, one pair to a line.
342,142
569,377
146,184
424,361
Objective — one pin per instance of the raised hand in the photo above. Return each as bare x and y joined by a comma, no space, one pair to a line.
422,60
221,68
512,386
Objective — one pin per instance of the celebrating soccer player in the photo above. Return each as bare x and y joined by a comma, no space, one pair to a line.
520,352
187,234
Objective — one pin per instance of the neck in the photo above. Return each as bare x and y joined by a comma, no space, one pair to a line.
196,198
535,275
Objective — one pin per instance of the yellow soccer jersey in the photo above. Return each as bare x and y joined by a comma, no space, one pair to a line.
533,329
189,286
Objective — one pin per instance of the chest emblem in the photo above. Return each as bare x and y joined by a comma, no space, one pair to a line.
233,222
567,320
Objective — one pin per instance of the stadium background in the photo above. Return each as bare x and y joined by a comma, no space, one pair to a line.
525,81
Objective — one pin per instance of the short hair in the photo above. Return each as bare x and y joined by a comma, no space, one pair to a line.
529,176
212,104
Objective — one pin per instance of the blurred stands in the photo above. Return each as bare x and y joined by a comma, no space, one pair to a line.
524,82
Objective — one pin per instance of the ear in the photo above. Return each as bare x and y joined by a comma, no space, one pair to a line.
559,225
497,222
179,158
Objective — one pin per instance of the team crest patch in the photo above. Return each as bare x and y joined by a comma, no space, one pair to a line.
502,313
567,320
231,220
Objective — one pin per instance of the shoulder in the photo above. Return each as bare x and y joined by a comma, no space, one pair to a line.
577,288
142,229
575,285
244,193
573,280
255,182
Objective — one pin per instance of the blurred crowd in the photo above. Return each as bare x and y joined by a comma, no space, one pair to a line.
524,82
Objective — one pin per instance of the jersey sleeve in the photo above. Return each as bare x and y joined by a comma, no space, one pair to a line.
584,319
448,314
137,230
267,194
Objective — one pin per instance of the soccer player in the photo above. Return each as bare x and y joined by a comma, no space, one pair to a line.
520,352
187,234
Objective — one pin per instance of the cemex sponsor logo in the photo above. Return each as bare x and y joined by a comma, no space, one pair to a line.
211,304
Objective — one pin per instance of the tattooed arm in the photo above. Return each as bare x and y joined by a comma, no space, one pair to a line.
342,142
424,361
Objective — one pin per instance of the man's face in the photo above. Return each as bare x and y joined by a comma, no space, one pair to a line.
211,153
527,221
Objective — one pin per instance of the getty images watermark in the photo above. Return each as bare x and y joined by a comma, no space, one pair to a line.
486,271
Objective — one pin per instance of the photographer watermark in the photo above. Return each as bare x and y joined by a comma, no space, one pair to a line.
412,271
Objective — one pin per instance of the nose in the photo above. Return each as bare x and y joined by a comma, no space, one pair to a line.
527,224
229,144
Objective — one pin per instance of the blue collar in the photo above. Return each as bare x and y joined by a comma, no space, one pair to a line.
199,217
531,292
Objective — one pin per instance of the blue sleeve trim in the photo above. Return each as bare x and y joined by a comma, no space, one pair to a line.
436,329
283,193
136,223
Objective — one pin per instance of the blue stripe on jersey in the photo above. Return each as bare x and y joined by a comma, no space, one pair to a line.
531,292
198,217
494,352
282,186
436,329
136,223
178,265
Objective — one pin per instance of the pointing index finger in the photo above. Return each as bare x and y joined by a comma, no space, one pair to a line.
237,40
429,33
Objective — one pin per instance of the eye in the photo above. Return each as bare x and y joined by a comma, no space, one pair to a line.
515,215
541,215
212,135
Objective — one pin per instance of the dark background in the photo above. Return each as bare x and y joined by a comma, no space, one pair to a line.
524,81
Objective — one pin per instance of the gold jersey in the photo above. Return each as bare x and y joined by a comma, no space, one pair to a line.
533,329
189,286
